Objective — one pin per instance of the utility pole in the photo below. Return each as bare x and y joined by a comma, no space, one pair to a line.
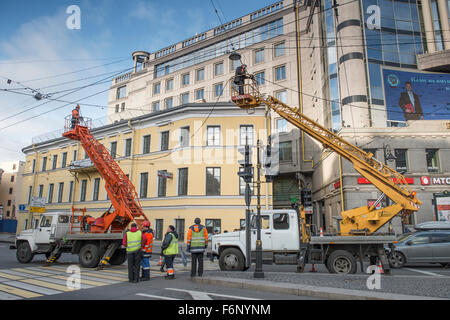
258,269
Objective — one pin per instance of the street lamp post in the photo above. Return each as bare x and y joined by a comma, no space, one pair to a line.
258,268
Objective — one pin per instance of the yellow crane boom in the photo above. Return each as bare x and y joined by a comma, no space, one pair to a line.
363,220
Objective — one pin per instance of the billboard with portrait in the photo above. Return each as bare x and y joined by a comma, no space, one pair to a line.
416,95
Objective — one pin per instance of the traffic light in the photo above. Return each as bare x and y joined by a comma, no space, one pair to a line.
246,174
270,161
306,198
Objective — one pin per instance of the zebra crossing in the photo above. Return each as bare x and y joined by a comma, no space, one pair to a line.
34,282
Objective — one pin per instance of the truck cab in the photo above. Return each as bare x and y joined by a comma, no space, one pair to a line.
279,236
40,240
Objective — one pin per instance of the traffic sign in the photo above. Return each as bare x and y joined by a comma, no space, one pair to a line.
22,207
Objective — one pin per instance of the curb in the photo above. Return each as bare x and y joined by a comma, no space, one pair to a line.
306,290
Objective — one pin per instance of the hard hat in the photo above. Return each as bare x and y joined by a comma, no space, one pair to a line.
146,224
78,107
197,220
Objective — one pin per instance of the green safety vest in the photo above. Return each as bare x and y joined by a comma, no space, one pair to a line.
172,249
134,241
198,241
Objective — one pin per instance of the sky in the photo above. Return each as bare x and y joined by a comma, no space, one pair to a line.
39,53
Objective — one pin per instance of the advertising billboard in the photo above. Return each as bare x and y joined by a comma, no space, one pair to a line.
416,95
442,206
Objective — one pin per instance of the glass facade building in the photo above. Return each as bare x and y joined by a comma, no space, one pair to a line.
395,42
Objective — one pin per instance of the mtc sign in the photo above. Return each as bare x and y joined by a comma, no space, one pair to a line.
426,181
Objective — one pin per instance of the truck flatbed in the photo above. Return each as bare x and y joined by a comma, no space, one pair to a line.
94,236
353,240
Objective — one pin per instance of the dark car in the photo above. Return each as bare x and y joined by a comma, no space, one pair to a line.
427,245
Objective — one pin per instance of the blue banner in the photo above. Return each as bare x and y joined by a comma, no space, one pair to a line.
416,95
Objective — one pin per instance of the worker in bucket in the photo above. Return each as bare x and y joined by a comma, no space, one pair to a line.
147,238
134,244
240,76
75,116
169,248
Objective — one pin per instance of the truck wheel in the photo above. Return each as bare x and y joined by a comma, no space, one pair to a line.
24,253
118,257
396,259
341,261
231,259
89,256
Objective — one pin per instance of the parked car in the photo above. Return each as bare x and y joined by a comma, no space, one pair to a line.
429,244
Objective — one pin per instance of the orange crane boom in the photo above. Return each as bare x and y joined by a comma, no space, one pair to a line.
120,190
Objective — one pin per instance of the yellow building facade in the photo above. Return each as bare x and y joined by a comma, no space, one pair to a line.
183,163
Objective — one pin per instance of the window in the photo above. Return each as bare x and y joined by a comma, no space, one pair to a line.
69,197
246,135
86,156
157,88
155,106
242,224
184,137
143,185
185,98
420,239
286,151
259,55
83,190
212,181
128,147
282,125
44,163
117,108
63,219
440,237
30,189
10,190
401,160
96,189
200,75
185,79
64,160
218,90
169,102
8,203
60,191
113,149
260,78
50,193
74,156
218,69
182,181
280,221
46,221
159,229
146,144
121,92
12,178
164,140
169,84
213,136
281,95
279,49
432,160
55,162
265,222
242,183
280,73
41,191
179,227
122,108
213,225
162,184
33,166
200,94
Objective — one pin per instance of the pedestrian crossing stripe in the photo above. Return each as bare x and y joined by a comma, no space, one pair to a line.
100,275
116,271
10,276
31,271
48,285
19,292
32,287
84,281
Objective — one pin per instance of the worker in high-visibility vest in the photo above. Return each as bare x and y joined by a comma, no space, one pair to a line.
197,241
147,238
169,248
134,244
75,116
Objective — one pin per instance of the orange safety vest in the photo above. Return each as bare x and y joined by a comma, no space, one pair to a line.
148,247
75,113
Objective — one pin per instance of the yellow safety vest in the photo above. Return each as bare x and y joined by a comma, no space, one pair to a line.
172,249
134,241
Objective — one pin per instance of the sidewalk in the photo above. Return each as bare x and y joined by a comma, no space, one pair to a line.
333,286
